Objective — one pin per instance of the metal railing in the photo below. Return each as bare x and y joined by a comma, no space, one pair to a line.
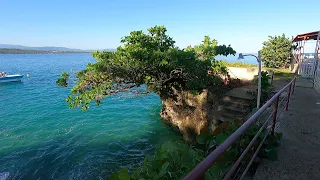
282,97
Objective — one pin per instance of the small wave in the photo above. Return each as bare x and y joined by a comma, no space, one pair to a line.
4,175
41,138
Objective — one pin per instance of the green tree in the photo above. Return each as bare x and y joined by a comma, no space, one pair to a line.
146,58
209,49
276,51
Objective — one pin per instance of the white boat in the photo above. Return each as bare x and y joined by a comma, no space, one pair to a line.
10,78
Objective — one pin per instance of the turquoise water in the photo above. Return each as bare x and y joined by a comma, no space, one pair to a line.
41,138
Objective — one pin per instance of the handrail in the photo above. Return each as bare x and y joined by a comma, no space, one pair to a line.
199,171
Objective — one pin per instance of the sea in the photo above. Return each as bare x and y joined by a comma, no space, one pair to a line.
42,138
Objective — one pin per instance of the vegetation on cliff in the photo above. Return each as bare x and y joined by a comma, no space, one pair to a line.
176,160
148,58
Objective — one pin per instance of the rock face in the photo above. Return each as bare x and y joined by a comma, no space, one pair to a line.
191,113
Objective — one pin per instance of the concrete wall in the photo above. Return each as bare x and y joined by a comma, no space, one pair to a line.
246,74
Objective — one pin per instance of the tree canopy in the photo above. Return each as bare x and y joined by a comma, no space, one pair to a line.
276,51
147,58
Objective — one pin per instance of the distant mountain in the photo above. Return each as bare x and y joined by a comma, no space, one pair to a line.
29,51
46,48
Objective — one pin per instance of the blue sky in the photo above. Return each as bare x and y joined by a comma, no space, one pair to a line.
100,24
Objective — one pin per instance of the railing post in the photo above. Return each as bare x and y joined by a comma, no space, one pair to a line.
294,85
289,94
199,171
275,114
202,177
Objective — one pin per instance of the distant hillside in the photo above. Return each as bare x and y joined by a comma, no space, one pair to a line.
29,51
49,48
18,49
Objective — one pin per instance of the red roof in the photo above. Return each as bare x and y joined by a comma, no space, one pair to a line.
306,36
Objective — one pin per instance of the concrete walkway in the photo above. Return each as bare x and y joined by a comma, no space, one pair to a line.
299,152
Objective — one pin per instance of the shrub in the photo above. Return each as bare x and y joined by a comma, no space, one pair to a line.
176,160
276,51
170,161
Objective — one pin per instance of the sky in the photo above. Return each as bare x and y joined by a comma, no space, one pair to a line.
99,24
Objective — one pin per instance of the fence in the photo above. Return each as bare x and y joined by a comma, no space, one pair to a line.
317,79
307,68
281,97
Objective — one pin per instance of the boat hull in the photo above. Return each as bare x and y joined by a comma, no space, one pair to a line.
11,78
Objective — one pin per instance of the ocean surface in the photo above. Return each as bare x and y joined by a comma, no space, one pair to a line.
41,138
234,58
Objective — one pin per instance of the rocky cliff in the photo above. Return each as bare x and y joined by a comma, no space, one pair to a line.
191,112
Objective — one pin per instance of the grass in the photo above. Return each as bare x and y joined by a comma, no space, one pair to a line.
282,74
279,74
239,64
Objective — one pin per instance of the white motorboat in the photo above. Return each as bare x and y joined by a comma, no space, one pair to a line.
10,77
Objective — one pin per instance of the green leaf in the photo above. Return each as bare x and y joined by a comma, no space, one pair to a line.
147,79
185,158
163,169
233,150
271,154
164,62
114,176
278,135
220,138
65,75
215,172
203,138
164,155
251,131
262,134
135,175
124,174
144,167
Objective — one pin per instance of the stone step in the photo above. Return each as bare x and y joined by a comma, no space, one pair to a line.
240,93
233,112
230,99
243,111
238,103
231,116
227,118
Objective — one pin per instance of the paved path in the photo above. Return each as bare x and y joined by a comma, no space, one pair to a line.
299,153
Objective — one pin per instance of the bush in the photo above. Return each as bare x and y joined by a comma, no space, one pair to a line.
265,86
276,51
170,161
176,160
224,164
